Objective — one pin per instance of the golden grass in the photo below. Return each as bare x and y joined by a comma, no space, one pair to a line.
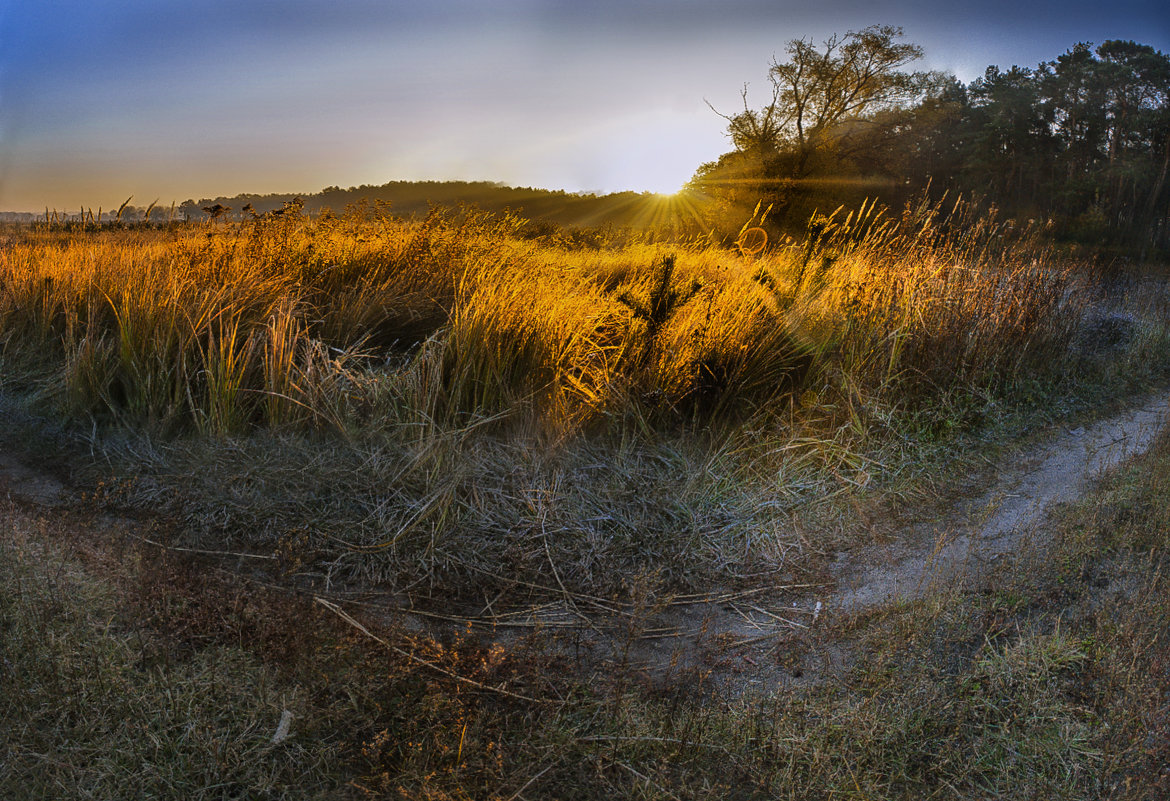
228,328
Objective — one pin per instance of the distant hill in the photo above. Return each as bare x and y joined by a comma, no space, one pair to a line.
20,216
414,198
636,210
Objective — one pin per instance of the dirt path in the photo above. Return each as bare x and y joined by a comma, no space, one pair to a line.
1001,520
747,643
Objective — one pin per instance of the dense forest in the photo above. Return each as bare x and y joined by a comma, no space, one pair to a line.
1081,142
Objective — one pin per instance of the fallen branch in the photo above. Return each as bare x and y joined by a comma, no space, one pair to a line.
337,610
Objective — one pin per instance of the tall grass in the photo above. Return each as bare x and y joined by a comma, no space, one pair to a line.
669,403
936,297
226,329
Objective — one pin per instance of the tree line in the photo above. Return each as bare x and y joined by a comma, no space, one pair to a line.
1081,142
415,198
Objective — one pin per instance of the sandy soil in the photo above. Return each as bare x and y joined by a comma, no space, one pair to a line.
1001,520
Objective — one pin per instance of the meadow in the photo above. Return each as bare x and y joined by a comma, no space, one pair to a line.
403,399
464,407
355,322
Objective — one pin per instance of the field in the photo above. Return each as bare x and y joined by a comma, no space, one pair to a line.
410,401
272,422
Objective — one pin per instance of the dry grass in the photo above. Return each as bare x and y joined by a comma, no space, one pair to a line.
428,403
265,324
97,706
459,411
133,672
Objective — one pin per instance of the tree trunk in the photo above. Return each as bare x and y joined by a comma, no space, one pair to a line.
1151,204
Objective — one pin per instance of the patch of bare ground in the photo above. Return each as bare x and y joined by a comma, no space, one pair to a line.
32,485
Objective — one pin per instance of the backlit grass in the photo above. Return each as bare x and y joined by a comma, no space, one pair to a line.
430,400
231,328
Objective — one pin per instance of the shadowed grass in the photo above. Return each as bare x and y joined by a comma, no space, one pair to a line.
151,675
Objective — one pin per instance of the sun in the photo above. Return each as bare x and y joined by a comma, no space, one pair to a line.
670,187
670,190
668,177
662,209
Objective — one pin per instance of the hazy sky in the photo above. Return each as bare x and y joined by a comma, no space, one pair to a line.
102,99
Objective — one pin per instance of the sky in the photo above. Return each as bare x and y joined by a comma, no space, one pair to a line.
105,99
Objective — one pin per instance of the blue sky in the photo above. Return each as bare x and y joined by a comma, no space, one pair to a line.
159,99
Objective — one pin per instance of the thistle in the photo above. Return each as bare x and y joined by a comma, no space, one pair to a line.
663,301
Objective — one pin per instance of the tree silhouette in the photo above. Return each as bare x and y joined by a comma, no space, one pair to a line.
815,92
216,211
1081,142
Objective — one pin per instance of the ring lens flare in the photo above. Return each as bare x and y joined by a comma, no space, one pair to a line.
752,241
